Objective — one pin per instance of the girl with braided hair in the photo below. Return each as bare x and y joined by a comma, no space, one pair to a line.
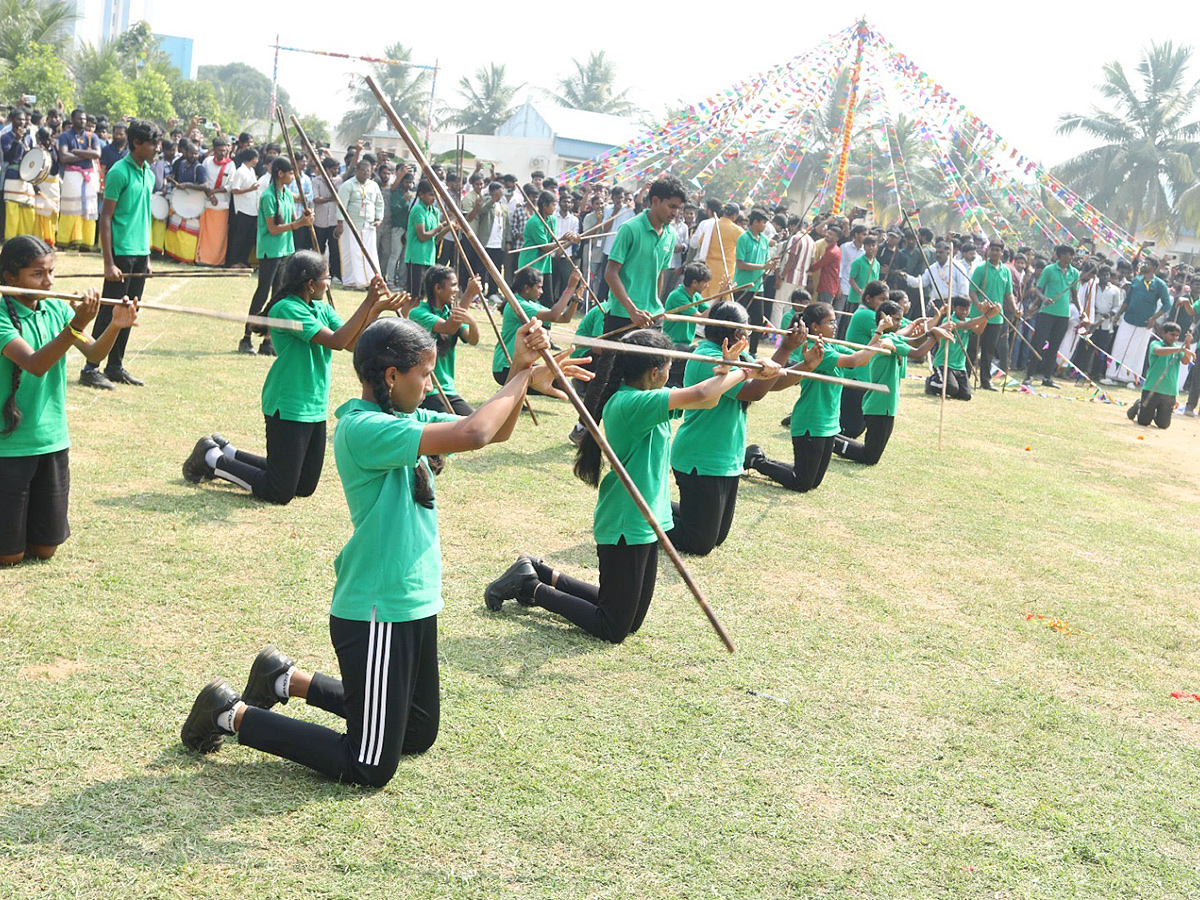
35,336
630,393
383,619
295,394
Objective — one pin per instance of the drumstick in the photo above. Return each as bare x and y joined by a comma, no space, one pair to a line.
269,321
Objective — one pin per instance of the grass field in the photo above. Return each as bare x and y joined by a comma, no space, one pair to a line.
892,725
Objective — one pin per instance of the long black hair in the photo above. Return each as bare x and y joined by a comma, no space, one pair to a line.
614,369
279,165
18,253
296,271
435,276
401,344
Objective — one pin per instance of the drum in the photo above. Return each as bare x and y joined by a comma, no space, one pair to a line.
35,165
160,207
188,204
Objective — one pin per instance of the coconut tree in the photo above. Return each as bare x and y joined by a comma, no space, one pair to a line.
28,22
1145,163
591,87
487,99
406,87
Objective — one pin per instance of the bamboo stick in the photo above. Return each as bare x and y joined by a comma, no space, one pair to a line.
767,329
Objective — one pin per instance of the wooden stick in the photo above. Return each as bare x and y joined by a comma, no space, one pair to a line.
284,324
196,273
548,357
767,329
558,244
581,238
492,319
550,252
312,228
638,349
308,148
709,300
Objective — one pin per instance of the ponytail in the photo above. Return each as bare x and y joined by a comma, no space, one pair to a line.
280,165
17,253
12,414
613,370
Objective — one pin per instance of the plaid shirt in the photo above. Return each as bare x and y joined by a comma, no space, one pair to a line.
516,227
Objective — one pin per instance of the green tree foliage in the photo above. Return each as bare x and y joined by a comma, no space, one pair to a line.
154,96
407,89
592,87
193,97
315,127
246,87
27,22
38,71
487,101
110,94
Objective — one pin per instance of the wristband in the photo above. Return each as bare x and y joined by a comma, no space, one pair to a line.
75,331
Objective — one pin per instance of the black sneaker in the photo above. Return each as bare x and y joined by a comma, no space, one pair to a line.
245,345
519,582
266,348
785,421
986,387
754,455
200,730
839,445
122,376
1049,382
220,440
195,469
577,433
534,561
94,378
264,671
1134,407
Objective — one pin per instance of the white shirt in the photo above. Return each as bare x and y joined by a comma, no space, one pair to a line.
849,254
363,201
938,281
214,171
495,240
623,215
1108,301
325,215
247,203
702,235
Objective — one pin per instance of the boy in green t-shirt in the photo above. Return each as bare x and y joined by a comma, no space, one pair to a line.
125,242
958,384
1157,402
751,264
693,283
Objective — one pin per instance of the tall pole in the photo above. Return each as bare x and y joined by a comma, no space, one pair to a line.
432,94
274,90
839,189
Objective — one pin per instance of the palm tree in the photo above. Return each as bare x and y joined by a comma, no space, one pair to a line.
27,22
1145,163
487,102
406,87
591,88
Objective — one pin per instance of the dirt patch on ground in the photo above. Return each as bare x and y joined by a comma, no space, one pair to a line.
55,671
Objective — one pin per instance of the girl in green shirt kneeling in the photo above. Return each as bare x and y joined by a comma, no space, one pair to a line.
630,392
447,316
295,394
383,618
35,335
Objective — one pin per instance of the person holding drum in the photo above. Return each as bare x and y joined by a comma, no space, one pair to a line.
78,152
125,242
19,195
41,166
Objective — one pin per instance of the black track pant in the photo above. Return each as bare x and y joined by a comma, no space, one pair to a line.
1194,390
458,405
985,347
754,308
327,238
388,696
1156,408
851,419
416,278
958,384
617,608
704,512
1048,333
879,430
291,468
810,460
115,290
267,268
1104,344
243,233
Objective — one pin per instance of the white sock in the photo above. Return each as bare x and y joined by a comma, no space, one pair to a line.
211,457
225,719
229,451
282,682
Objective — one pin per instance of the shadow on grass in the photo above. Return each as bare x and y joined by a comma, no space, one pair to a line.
204,505
171,813
517,659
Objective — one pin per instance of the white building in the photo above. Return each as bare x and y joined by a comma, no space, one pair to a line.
539,135
103,20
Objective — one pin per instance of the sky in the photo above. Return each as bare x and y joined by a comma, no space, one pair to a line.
1018,67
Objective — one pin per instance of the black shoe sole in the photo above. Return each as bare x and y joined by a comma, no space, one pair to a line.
262,694
199,733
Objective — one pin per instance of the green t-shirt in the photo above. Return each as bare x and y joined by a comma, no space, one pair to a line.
862,270
392,565
417,251
443,369
753,250
269,245
130,186
643,253
591,325
1162,372
683,333
1055,285
509,323
886,369
537,234
817,411
42,401
995,283
297,384
636,425
958,349
710,441
860,331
